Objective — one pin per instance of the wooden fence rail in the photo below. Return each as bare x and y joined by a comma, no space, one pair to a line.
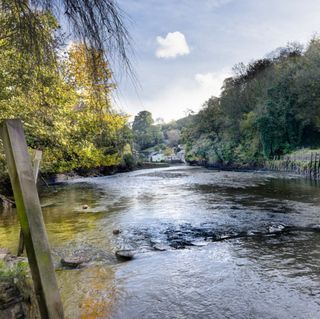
307,165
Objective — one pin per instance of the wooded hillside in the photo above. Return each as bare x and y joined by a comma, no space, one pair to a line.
269,107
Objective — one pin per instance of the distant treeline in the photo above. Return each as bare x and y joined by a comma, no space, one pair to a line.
270,107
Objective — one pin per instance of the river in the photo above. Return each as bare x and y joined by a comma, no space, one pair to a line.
208,244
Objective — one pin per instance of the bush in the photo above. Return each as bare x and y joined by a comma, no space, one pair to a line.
128,161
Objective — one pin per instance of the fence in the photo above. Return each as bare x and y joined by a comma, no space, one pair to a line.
303,164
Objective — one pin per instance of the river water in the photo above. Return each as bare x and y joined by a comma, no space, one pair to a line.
208,244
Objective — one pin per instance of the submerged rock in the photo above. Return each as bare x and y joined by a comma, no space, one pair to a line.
125,254
199,243
45,205
276,228
160,247
180,243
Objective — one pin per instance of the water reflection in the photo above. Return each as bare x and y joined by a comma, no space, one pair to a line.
288,259
9,229
88,293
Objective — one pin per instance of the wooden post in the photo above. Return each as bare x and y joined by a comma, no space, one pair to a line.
31,220
21,244
36,164
36,168
318,167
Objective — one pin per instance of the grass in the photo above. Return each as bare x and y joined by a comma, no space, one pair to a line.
19,269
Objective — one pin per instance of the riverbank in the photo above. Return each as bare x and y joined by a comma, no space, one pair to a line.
52,178
17,297
303,162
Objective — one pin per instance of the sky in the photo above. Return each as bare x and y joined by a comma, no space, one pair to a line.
184,49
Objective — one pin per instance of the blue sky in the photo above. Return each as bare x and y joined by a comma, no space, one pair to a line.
185,48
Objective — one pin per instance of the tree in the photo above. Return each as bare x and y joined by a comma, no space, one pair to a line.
142,122
35,92
97,23
145,133
173,137
268,108
67,114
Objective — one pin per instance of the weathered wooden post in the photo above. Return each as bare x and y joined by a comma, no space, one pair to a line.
21,244
36,164
31,220
318,169
36,167
316,166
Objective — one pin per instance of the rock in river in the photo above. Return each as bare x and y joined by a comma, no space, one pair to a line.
124,254
116,231
72,262
161,247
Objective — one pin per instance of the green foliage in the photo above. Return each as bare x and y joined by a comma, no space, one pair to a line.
268,108
129,161
146,134
19,269
64,102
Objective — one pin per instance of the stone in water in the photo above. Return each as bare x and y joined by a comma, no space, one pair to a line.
160,247
124,254
72,262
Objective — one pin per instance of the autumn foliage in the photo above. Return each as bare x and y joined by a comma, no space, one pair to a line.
63,101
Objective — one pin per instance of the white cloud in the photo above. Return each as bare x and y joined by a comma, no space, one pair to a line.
211,82
226,32
178,96
173,45
217,3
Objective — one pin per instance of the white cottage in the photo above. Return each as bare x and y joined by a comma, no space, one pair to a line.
156,157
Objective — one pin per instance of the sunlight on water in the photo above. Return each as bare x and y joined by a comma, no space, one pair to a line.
88,293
